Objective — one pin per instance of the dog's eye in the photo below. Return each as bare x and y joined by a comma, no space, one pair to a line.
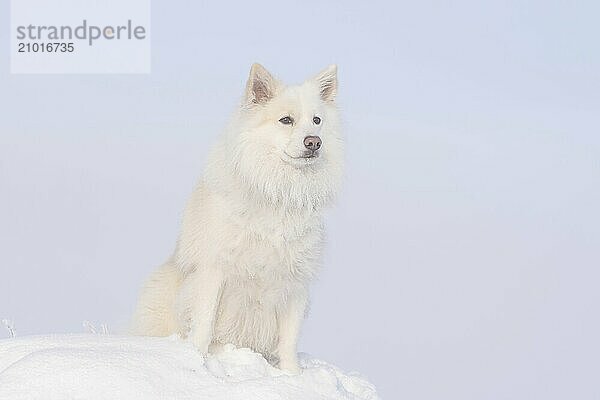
317,120
286,120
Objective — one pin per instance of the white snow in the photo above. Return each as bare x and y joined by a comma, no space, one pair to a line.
94,367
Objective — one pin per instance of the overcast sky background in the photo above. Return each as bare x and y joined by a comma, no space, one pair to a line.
464,252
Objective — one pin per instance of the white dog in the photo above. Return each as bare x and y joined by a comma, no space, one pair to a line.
252,232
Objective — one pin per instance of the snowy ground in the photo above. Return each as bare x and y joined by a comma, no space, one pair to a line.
118,367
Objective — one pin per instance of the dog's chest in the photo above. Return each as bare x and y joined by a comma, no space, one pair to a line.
271,247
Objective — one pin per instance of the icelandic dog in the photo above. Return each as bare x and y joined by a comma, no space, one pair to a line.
252,231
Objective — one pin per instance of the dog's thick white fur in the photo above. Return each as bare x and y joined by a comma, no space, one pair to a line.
252,232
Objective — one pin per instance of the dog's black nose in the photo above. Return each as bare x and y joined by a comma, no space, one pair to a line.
312,142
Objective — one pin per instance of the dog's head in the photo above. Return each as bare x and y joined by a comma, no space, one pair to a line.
286,145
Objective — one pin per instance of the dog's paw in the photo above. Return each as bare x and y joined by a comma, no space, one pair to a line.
290,367
200,343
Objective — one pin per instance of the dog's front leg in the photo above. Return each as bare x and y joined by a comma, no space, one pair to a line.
289,321
200,295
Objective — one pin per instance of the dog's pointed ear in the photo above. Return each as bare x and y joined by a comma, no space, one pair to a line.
261,86
327,81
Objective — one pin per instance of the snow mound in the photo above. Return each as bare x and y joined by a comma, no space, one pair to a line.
94,367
